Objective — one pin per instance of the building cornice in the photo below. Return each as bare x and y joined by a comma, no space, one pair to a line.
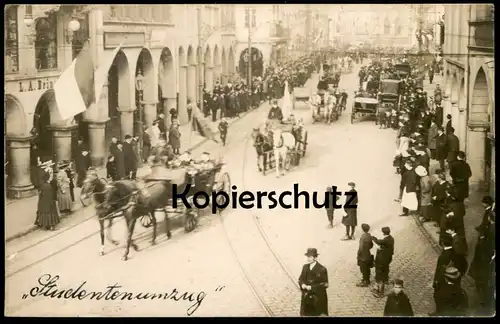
456,63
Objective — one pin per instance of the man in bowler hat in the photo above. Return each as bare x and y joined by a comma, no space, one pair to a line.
313,282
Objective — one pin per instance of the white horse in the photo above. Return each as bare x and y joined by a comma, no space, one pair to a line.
283,142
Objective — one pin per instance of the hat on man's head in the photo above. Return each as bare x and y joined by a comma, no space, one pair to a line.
398,282
487,200
386,230
351,184
275,101
312,252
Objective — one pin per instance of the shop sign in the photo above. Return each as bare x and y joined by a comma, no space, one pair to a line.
129,39
35,84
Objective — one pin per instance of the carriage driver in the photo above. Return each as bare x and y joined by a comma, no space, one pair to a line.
275,111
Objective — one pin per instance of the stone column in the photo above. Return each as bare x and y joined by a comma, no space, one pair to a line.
126,122
183,116
476,150
192,86
209,77
62,141
19,180
150,112
217,73
169,104
224,79
97,142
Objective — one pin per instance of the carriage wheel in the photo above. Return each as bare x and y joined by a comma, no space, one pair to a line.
304,145
224,184
146,220
190,219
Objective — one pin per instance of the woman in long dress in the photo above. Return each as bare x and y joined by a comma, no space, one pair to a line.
63,190
47,216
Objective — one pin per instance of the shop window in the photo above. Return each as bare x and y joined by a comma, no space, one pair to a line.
11,40
46,43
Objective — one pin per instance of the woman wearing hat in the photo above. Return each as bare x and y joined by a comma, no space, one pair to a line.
63,188
313,281
47,216
424,193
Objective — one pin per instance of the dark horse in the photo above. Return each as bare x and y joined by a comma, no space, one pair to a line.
123,198
263,144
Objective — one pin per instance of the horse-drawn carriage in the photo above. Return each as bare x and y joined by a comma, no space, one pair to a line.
147,199
389,101
324,107
363,106
278,143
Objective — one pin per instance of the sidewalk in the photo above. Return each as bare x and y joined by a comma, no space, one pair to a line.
20,214
473,215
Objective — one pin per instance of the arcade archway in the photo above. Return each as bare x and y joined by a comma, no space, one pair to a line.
256,60
230,64
166,83
118,95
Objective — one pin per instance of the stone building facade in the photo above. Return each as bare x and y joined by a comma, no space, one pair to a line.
469,86
175,56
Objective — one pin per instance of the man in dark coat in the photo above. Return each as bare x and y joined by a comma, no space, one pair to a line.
130,158
409,184
113,146
444,260
455,212
441,147
382,261
449,124
120,161
331,206
313,282
438,196
82,165
364,257
146,145
275,111
438,114
450,298
350,220
162,126
460,172
398,304
452,146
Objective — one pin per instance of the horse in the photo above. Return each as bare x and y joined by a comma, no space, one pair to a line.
283,142
262,145
121,198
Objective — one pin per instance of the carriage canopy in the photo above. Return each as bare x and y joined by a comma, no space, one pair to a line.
403,69
389,86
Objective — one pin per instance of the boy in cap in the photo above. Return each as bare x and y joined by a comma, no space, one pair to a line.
364,257
223,127
383,259
313,281
398,303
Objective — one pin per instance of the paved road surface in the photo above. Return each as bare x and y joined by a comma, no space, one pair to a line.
203,260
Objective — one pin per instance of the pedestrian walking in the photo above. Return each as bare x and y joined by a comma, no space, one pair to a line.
160,121
113,147
313,282
488,204
350,219
383,260
449,124
223,128
146,144
425,194
330,205
438,193
189,109
130,158
71,175
82,165
47,216
431,75
398,303
63,191
445,260
452,146
365,258
120,161
460,172
409,186
174,138
450,298
455,212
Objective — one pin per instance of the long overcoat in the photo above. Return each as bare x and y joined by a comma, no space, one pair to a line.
315,301
351,217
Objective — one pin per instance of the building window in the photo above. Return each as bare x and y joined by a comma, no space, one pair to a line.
254,18
484,12
247,18
11,40
46,43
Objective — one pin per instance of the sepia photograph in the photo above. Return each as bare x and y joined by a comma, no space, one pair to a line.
249,160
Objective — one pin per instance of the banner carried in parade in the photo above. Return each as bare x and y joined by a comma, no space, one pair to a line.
286,103
74,90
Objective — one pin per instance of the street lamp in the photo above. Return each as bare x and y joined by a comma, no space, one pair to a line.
73,26
139,86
